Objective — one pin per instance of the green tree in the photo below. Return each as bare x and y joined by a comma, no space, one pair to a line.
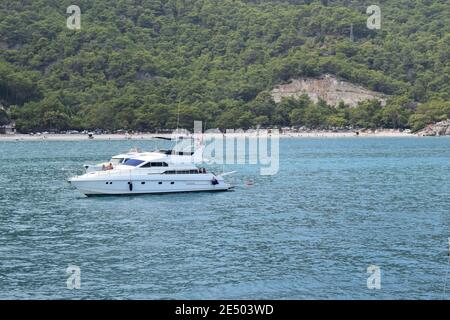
134,63
366,114
4,117
433,111
395,117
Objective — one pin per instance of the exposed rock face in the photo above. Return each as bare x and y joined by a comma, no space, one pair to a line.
328,88
438,129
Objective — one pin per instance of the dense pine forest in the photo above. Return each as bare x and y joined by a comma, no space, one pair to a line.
137,64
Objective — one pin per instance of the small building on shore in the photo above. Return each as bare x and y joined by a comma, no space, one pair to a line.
8,128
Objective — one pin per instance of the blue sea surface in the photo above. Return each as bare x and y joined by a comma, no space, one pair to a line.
336,207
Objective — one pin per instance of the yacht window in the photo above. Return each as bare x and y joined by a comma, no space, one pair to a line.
181,172
159,164
132,162
154,164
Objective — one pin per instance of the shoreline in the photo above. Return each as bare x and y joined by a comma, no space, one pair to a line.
149,136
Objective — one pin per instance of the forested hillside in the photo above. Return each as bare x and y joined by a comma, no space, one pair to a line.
134,63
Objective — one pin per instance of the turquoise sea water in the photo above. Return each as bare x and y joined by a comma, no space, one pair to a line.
336,207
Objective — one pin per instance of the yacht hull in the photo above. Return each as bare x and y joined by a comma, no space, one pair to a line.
87,194
146,185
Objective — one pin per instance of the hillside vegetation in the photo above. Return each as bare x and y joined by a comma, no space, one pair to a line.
135,63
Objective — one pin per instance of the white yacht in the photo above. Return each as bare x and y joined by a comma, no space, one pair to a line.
162,171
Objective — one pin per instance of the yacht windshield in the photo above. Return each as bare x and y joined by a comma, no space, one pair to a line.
132,162
116,161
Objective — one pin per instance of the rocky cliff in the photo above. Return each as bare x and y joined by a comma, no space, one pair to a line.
437,129
328,88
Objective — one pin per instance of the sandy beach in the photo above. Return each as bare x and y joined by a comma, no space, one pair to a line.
149,136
